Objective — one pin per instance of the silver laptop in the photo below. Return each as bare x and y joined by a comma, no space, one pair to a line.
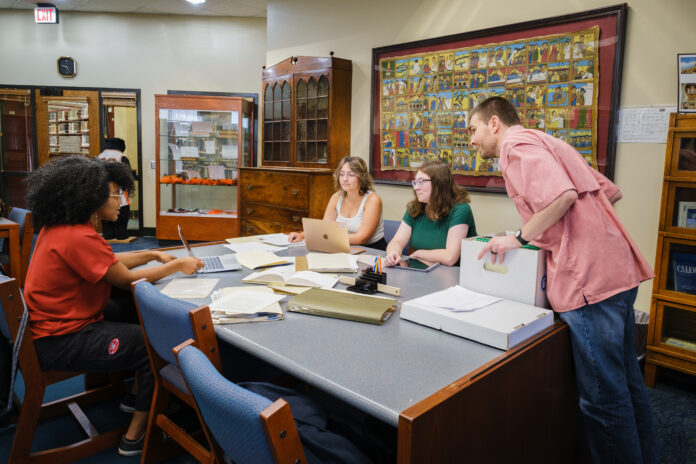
221,263
326,236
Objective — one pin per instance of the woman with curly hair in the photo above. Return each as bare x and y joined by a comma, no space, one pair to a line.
354,204
75,324
436,220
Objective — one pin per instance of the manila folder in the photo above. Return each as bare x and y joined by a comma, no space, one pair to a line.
342,305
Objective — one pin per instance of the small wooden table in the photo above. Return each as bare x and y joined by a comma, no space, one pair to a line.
9,230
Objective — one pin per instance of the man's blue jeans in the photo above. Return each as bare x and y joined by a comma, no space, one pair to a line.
613,397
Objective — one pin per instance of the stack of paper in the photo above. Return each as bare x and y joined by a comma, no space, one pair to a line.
245,304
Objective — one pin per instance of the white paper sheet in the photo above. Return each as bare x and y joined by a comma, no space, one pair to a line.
460,299
253,246
644,124
274,239
190,287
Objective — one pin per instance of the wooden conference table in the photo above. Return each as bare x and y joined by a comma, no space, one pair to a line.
9,230
452,400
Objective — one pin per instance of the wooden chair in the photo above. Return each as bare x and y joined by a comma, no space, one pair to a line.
166,323
26,238
247,426
36,381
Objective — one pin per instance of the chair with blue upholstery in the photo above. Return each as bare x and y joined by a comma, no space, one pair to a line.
26,238
248,427
390,228
166,323
32,409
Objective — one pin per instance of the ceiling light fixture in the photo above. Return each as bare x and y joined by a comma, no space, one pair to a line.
196,2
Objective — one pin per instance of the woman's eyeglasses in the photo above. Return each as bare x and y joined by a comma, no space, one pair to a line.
419,182
116,194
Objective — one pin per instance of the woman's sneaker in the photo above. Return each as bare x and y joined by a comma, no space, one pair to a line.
128,403
131,448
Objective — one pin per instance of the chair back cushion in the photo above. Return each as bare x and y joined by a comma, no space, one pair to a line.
231,412
19,216
166,320
390,228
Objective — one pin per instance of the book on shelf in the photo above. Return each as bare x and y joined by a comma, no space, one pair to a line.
288,276
342,305
680,343
684,272
687,214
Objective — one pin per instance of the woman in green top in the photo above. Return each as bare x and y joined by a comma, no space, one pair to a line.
436,220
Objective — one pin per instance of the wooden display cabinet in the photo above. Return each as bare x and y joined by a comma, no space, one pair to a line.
672,329
201,143
306,131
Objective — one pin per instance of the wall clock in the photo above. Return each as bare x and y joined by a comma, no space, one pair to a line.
67,67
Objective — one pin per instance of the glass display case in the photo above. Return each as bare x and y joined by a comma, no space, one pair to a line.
202,141
672,329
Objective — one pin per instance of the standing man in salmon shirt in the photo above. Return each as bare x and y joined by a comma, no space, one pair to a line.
593,271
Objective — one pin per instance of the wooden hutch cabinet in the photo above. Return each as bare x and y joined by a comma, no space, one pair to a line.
672,329
201,143
306,131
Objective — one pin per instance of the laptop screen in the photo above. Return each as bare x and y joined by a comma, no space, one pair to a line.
183,240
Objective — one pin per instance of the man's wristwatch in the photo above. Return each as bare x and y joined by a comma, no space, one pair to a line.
518,236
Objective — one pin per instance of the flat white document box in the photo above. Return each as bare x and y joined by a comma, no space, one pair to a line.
502,325
521,277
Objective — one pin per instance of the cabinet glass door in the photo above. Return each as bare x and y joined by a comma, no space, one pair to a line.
678,326
683,155
198,159
276,122
681,208
312,110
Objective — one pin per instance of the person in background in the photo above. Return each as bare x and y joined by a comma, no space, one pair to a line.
354,204
114,150
436,220
593,270
75,324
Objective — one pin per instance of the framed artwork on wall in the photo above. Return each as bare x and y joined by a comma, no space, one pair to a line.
687,82
562,73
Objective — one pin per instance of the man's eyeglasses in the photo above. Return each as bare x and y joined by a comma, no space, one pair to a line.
419,182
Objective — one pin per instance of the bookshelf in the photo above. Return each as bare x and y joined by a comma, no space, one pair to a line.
672,329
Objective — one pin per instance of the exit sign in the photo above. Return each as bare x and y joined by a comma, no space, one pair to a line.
45,14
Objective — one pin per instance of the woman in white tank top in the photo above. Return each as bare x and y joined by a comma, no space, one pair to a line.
354,204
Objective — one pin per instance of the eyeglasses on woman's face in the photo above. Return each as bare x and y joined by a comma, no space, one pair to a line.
116,194
348,174
419,182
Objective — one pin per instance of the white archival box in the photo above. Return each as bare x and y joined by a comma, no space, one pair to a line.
502,325
521,277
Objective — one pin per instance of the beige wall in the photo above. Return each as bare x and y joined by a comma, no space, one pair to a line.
151,53
657,31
